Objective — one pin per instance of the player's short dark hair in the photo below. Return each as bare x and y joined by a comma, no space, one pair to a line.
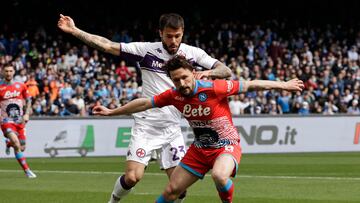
177,62
8,65
171,20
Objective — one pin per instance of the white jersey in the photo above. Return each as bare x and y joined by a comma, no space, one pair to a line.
151,57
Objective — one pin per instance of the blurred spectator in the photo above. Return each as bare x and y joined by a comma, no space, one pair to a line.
123,72
354,108
32,87
234,105
304,110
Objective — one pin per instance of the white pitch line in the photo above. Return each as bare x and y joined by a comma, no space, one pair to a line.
163,174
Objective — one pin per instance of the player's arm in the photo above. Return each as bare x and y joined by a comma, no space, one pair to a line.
67,25
291,85
220,71
134,106
27,110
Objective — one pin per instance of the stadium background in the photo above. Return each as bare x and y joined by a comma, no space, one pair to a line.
284,177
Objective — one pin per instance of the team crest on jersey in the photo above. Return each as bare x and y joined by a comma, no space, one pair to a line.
17,86
202,97
140,153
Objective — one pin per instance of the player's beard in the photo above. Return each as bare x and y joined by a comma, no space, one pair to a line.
173,49
185,91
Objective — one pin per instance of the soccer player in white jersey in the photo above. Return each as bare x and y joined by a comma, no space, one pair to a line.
155,129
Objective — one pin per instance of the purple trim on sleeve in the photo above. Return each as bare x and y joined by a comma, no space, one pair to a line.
131,57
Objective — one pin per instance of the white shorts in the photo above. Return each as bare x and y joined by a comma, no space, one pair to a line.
168,142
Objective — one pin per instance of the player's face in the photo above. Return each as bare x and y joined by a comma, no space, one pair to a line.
183,80
8,73
171,39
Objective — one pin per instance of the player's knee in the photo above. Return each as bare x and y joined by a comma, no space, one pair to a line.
173,190
219,176
131,178
22,148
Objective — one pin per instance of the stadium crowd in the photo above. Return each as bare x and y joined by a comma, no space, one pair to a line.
67,78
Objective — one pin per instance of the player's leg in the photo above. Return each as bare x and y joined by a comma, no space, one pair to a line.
172,153
192,167
180,180
22,139
138,157
7,146
123,185
225,166
15,143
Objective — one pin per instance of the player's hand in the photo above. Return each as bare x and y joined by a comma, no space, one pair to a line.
294,85
202,75
66,24
26,118
101,110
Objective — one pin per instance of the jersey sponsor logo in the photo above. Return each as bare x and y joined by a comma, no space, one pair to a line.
199,123
189,111
202,96
11,94
156,64
230,86
140,153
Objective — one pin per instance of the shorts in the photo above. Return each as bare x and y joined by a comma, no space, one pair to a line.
199,161
18,129
168,142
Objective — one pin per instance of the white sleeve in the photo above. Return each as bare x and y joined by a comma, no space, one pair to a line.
203,59
134,50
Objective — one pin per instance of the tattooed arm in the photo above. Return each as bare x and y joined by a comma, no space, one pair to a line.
220,71
67,25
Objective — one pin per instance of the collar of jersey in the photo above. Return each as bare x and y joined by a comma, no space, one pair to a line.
196,87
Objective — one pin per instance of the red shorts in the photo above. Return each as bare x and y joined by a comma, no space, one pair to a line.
18,129
199,161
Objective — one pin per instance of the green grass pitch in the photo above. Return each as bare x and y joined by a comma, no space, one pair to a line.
262,178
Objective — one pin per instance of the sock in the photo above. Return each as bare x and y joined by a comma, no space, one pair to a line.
161,199
8,143
121,189
226,192
181,198
22,160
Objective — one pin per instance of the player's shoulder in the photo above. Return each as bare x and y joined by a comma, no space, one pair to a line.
205,83
187,47
139,45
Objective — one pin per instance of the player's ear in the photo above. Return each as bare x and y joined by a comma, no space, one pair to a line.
160,33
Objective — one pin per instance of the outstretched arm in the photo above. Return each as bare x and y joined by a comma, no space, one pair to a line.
67,25
291,85
134,106
27,110
220,71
